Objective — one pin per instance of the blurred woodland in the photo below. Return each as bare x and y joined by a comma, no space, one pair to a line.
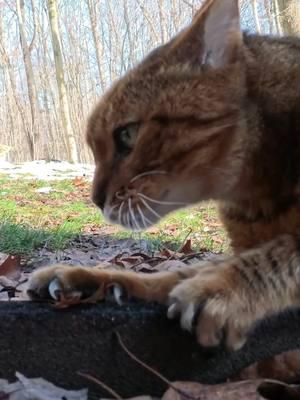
58,56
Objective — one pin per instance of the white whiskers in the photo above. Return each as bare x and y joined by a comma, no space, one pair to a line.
120,213
150,208
135,208
143,217
167,203
133,217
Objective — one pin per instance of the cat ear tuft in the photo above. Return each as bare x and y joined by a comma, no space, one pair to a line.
221,33
213,36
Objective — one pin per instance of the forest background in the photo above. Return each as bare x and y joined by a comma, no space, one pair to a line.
58,56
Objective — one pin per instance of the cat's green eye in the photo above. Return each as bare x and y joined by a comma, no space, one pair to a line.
125,137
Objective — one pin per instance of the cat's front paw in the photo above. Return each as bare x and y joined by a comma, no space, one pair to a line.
72,283
214,306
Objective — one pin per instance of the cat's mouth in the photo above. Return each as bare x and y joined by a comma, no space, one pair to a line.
143,201
138,211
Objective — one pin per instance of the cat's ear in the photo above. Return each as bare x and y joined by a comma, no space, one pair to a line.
213,36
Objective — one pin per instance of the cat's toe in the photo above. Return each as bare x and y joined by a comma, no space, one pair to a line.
38,285
75,284
115,293
186,311
209,311
59,282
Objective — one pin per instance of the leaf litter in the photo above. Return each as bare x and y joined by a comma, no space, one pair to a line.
12,279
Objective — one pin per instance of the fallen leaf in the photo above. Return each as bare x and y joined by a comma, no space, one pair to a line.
167,253
245,390
284,367
37,389
279,391
144,267
132,398
142,255
10,266
186,249
80,182
170,265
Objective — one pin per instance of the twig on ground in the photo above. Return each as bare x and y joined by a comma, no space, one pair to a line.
102,384
153,371
192,255
151,260
181,244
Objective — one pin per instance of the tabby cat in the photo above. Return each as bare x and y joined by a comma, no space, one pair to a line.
213,114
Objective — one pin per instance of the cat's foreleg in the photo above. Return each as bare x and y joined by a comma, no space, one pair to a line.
93,284
223,303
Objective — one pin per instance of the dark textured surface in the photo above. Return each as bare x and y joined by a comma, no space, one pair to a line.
39,341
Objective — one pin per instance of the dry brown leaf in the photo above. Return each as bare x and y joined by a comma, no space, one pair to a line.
142,255
117,260
167,253
37,389
131,398
10,276
136,261
10,266
145,268
79,182
186,249
279,391
170,265
245,390
284,367
132,260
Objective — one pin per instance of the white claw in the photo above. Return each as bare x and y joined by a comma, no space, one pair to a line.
173,311
117,293
187,317
55,289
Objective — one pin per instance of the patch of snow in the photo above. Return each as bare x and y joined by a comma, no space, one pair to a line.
40,169
45,190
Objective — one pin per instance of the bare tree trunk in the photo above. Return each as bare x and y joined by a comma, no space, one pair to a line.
21,111
288,16
98,49
29,75
271,21
162,20
63,98
256,17
131,58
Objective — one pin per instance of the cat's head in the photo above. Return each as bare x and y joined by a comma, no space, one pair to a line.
165,135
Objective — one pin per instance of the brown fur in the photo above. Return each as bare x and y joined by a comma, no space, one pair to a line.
216,115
